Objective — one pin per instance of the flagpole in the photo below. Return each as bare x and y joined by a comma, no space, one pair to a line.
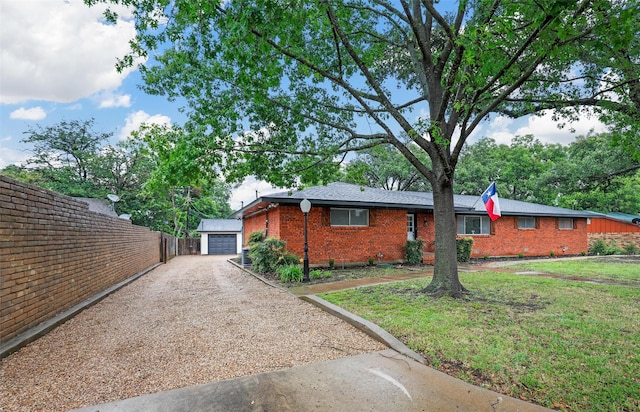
476,202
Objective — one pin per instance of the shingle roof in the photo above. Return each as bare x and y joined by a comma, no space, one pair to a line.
623,217
98,205
353,195
220,225
517,207
349,195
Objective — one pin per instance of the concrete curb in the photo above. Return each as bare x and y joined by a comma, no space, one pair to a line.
43,328
362,324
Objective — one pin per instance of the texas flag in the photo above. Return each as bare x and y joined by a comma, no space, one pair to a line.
491,201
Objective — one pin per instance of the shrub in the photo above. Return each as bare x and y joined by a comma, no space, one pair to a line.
413,253
371,261
521,255
552,253
331,263
598,248
631,249
464,246
268,255
613,249
290,273
320,274
256,237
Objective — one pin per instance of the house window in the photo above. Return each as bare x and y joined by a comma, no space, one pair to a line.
565,223
349,217
474,225
526,222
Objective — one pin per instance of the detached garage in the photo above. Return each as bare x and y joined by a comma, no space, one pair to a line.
220,236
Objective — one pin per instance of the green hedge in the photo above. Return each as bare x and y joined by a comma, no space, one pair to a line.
414,249
464,247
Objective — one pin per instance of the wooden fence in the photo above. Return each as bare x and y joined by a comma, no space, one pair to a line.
188,246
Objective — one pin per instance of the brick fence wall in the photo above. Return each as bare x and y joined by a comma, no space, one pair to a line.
55,253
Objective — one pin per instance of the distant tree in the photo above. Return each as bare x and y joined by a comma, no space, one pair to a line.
386,168
479,164
185,186
22,174
596,174
591,173
67,146
72,159
516,168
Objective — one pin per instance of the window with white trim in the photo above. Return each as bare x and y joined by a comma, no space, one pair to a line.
474,225
565,223
526,222
349,217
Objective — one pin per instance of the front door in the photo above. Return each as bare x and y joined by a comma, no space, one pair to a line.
411,226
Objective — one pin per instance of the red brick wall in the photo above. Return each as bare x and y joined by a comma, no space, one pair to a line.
55,253
252,224
546,238
386,234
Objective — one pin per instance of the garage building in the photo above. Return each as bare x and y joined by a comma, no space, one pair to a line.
220,236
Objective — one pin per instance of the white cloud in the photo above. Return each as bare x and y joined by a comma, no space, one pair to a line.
9,156
110,100
34,113
246,192
544,128
137,119
59,50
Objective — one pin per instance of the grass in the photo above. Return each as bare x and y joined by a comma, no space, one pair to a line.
564,345
596,268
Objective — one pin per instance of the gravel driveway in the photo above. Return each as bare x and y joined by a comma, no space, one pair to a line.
194,320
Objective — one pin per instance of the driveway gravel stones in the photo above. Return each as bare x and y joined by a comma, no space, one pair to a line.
194,320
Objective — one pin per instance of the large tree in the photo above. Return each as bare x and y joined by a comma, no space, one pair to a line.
282,88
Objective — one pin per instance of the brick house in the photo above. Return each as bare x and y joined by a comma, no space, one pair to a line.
351,224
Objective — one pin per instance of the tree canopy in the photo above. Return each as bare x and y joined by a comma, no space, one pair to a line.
284,89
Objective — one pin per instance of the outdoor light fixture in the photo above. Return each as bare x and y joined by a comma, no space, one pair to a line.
425,222
305,206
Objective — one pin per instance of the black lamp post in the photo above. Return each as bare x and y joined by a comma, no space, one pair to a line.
305,206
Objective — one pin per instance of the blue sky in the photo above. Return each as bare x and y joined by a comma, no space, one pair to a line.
57,62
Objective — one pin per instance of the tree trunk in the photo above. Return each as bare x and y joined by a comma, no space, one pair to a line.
445,272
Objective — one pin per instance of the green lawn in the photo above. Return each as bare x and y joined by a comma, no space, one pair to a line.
596,268
566,345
